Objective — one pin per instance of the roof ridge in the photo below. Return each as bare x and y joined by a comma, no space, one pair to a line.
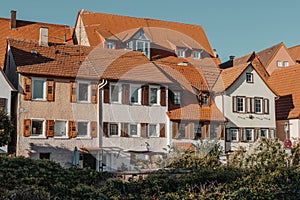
37,22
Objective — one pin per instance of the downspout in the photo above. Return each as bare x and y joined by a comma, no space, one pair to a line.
100,120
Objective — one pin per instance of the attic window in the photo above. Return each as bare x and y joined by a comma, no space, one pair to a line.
279,63
249,77
285,63
110,45
196,55
181,53
34,52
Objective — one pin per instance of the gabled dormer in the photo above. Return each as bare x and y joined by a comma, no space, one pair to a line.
139,42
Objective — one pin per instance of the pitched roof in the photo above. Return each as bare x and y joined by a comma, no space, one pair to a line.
84,62
28,30
266,55
156,30
287,84
295,52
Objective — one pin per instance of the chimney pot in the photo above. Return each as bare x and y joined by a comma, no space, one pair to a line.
13,19
43,39
231,57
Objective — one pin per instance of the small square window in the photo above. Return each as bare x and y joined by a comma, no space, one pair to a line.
233,135
82,129
83,92
181,53
37,127
285,63
279,63
38,89
249,77
196,55
205,99
113,129
176,98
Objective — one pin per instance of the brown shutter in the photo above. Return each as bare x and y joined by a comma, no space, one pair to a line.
50,128
73,92
234,104
106,93
124,129
255,134
93,129
162,130
72,129
163,96
252,105
174,129
50,90
145,95
94,94
125,94
241,134
26,128
143,130
105,129
27,88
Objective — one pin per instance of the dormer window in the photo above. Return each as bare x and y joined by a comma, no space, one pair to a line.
181,53
110,45
142,46
285,63
249,77
279,63
196,55
205,99
139,42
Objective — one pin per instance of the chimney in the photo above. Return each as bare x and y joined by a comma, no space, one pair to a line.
13,19
43,40
215,53
231,57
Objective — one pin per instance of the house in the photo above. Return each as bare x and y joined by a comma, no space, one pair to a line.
295,53
286,80
250,111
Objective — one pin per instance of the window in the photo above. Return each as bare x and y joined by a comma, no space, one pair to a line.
60,129
272,133
196,55
83,92
205,99
114,129
143,46
285,63
233,135
239,104
3,104
213,131
181,53
153,130
279,63
115,93
258,105
154,95
45,156
38,89
249,77
177,97
37,127
197,131
135,94
263,133
249,135
134,130
110,45
82,129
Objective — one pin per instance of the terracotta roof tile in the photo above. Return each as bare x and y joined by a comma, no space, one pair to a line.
30,31
266,55
295,52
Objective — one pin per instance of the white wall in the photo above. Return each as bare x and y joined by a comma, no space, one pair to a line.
294,128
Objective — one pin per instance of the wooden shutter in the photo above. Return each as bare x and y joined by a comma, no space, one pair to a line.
162,132
174,129
248,104
124,129
73,86
241,134
106,93
252,105
50,128
94,93
26,128
93,129
266,106
105,129
234,104
143,130
50,90
72,129
125,94
27,88
145,95
163,96
255,134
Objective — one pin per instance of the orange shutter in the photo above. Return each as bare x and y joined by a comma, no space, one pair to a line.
94,96
72,129
93,129
163,96
27,88
144,130
73,92
105,129
162,130
50,128
26,127
124,129
50,90
145,95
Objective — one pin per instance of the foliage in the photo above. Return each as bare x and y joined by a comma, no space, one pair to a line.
6,129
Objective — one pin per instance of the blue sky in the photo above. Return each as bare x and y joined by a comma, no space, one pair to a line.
233,27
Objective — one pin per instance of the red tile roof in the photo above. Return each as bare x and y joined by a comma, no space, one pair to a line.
266,55
164,32
287,84
295,52
30,31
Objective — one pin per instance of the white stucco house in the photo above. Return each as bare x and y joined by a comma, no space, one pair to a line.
248,102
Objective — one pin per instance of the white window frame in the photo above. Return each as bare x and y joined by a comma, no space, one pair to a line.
252,134
119,92
260,101
138,129
109,45
156,127
233,131
88,92
177,97
264,129
146,48
279,63
249,77
44,89
88,128
66,128
196,55
285,63
181,53
43,135
119,129
157,95
237,104
139,94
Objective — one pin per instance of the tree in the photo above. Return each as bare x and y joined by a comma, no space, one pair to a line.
6,129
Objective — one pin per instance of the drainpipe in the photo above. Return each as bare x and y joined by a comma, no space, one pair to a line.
100,120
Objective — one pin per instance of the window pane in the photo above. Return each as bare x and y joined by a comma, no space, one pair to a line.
213,132
114,92
83,92
82,129
204,99
240,104
60,128
133,129
113,129
234,134
249,134
177,97
37,127
197,131
153,95
38,89
134,98
258,105
152,130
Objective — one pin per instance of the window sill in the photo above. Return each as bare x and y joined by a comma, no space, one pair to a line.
38,137
83,138
83,102
39,100
61,137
